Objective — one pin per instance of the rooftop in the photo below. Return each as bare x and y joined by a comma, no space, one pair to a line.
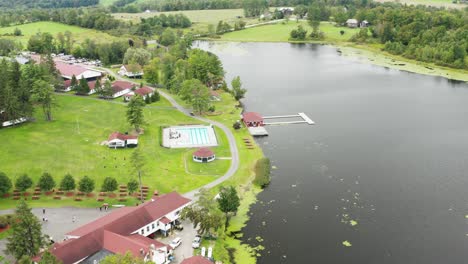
203,153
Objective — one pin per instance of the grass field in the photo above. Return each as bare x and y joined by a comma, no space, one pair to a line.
72,144
79,34
200,18
106,2
281,32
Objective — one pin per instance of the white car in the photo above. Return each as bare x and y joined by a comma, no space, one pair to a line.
196,242
176,242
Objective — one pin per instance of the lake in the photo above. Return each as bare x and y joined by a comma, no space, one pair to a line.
385,168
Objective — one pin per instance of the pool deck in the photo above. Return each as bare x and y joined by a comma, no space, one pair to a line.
184,139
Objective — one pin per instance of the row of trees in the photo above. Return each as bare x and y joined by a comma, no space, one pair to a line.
21,4
20,87
47,183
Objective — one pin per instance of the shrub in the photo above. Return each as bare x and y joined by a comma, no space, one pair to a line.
109,185
262,172
86,185
156,97
23,183
132,186
5,183
67,183
46,182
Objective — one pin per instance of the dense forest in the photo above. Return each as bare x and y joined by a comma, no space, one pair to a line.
21,4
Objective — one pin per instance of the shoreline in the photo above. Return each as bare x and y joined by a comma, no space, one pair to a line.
374,56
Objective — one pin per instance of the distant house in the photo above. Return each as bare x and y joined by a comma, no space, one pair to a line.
143,92
287,11
68,70
204,155
22,60
364,24
352,23
127,229
120,88
252,119
119,140
131,71
214,96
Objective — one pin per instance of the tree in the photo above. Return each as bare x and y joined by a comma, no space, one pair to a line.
151,71
204,66
197,94
23,183
253,8
26,238
46,182
168,37
135,112
137,56
128,258
43,93
5,183
67,183
237,91
137,165
109,185
86,185
73,82
17,32
204,213
49,258
228,201
106,90
156,96
314,17
83,87
132,186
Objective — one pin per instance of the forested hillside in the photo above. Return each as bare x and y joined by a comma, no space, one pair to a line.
46,3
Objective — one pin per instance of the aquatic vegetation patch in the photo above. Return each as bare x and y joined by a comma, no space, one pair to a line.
346,243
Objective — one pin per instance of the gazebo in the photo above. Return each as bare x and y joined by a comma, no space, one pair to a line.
204,155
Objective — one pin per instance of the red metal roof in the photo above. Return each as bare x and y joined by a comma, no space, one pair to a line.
196,260
66,69
165,220
144,90
113,231
118,86
252,117
118,135
203,153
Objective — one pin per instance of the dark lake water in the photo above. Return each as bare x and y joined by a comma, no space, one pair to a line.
389,151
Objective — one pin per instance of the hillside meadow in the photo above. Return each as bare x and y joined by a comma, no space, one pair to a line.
79,34
72,143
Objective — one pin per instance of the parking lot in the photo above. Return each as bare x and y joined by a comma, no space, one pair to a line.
185,249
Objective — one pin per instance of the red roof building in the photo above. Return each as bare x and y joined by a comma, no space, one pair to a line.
196,260
125,229
80,72
121,87
252,119
144,91
119,140
204,155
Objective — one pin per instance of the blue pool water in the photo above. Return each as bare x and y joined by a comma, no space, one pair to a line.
197,135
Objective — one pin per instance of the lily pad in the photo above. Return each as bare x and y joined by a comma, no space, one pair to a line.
466,216
353,223
346,243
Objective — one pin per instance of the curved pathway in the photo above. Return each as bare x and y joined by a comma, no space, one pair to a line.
231,139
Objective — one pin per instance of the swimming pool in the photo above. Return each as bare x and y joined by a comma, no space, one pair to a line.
196,135
190,136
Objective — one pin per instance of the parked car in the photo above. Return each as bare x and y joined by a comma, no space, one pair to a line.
176,242
196,241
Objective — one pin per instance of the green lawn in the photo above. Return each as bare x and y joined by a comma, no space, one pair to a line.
281,32
79,34
72,144
106,2
200,18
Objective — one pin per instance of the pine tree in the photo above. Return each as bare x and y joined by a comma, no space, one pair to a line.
135,112
48,258
109,185
73,82
86,185
67,183
83,87
5,183
46,182
26,238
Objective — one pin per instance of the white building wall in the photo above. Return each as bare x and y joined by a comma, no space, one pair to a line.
157,225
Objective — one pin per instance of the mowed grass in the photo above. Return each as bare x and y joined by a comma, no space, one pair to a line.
280,32
79,34
200,18
72,144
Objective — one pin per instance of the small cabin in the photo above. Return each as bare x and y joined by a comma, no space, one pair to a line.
119,140
204,155
352,23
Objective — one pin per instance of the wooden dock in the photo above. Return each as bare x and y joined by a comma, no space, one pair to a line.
303,116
